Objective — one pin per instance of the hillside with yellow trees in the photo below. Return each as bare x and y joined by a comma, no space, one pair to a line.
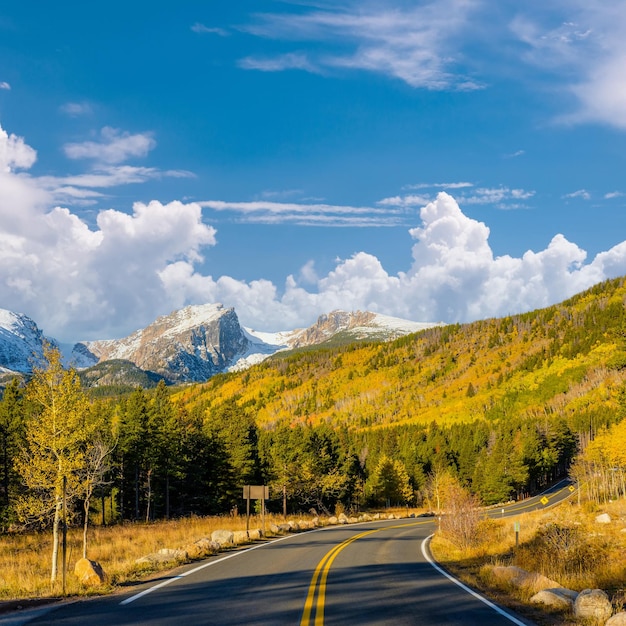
567,359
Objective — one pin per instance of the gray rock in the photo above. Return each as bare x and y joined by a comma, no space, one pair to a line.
223,537
593,604
558,597
603,518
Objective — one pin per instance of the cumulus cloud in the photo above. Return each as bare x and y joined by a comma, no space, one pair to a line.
116,146
14,152
104,281
454,277
4,85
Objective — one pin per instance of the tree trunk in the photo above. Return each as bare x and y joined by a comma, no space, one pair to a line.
55,538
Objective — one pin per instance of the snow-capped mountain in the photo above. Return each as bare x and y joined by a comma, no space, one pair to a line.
21,343
194,343
191,344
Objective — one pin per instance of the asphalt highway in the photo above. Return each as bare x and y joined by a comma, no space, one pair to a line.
371,573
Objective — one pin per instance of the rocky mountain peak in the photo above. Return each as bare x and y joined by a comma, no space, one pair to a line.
191,344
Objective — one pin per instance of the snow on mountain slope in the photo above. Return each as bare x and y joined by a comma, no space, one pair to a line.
21,342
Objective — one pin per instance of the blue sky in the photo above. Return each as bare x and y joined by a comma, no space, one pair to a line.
438,161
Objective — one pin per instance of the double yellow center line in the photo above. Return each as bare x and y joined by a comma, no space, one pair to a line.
313,614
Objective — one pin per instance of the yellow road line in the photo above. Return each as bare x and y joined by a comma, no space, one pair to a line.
317,587
320,576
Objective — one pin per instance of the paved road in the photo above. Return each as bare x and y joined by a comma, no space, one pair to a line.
374,573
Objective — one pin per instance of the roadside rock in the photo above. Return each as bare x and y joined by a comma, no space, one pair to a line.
333,520
603,518
593,604
223,537
255,534
240,536
619,619
89,573
559,598
202,547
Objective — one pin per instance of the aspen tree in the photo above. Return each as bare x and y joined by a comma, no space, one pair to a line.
57,438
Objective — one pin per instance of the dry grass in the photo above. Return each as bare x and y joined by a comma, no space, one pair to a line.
565,544
25,560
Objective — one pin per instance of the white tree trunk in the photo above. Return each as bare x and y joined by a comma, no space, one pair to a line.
56,524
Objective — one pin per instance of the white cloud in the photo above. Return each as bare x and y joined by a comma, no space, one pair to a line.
501,197
459,185
585,54
116,146
454,277
581,193
268,212
76,109
416,44
614,194
14,153
289,61
4,85
202,29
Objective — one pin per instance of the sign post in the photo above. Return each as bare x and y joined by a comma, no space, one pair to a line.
255,492
517,526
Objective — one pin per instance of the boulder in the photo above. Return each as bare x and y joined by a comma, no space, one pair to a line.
343,518
255,534
89,573
333,520
240,536
603,518
619,619
202,547
559,598
274,529
223,537
293,526
593,604
316,521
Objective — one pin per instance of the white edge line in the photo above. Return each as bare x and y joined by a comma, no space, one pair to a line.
484,600
164,583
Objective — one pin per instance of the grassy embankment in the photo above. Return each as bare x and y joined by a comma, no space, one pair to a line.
25,559
565,544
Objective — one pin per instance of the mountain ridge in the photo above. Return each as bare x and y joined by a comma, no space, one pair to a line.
190,344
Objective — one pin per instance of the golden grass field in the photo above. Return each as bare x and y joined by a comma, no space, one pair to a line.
25,559
565,544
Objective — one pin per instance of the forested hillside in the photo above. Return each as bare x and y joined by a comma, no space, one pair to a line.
567,360
501,407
